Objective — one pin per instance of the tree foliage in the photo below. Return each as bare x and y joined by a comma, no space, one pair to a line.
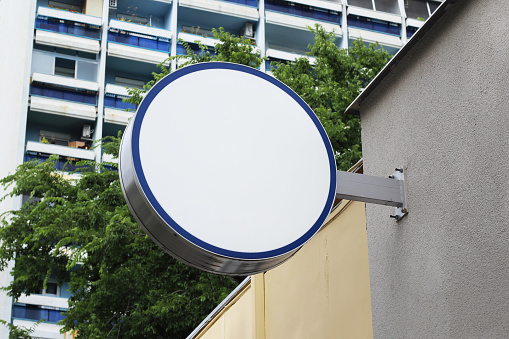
331,83
81,231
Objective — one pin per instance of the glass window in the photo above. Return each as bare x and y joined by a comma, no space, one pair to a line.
132,18
198,31
433,6
51,289
56,139
127,82
87,70
416,9
387,6
42,61
361,3
65,67
71,6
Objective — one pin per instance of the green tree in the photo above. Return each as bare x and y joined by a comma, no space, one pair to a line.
331,83
81,231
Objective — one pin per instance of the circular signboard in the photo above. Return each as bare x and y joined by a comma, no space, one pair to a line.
227,169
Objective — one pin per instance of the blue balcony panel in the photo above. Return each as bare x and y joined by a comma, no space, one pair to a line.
139,40
374,25
68,27
315,13
33,312
117,101
84,97
63,164
410,31
251,3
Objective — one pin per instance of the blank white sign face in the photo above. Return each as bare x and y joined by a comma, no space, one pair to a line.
233,161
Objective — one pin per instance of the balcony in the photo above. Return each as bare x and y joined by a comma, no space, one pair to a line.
373,37
368,13
327,12
36,148
43,300
65,82
61,107
109,158
114,106
300,15
67,30
193,38
64,96
43,330
287,56
241,8
374,27
137,42
36,312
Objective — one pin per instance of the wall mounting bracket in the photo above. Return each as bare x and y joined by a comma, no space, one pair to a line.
367,188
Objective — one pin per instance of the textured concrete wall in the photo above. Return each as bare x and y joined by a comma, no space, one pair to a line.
443,271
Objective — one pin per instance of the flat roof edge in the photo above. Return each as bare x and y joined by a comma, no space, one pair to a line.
355,106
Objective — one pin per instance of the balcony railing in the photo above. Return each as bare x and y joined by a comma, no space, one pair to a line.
374,25
140,36
138,40
251,3
194,47
68,27
117,101
302,10
410,31
43,150
34,312
83,97
68,23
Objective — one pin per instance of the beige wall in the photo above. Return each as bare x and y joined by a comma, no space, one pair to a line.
322,292
94,7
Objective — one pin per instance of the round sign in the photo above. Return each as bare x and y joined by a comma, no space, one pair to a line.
227,169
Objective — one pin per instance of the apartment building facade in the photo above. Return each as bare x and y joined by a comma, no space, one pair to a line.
69,62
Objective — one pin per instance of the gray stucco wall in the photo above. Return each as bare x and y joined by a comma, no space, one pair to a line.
443,271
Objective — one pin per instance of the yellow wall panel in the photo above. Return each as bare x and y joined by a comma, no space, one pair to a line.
94,7
239,318
322,292
215,331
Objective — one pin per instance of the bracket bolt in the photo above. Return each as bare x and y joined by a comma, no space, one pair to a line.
394,216
391,176
399,169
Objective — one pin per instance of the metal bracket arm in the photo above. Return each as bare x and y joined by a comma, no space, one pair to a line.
366,188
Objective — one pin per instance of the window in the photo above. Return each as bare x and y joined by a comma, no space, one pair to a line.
416,9
132,18
51,289
68,63
127,82
54,138
65,67
35,312
71,7
361,3
198,31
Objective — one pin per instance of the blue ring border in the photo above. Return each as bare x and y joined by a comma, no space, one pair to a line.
138,119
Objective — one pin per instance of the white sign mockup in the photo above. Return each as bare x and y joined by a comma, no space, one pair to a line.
227,169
